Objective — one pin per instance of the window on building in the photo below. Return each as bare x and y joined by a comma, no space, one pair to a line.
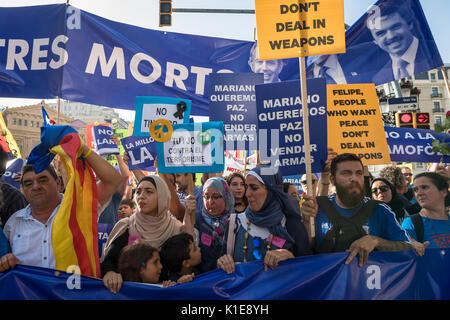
25,122
31,123
434,91
421,76
20,122
436,105
432,76
14,121
438,120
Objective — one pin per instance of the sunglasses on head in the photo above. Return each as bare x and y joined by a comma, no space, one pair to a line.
381,188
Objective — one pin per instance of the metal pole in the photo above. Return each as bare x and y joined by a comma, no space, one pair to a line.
189,10
444,73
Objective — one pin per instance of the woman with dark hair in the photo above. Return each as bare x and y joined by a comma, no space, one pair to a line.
151,223
432,226
383,190
270,229
236,181
212,221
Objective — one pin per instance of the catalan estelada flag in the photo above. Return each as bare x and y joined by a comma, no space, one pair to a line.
7,141
48,121
74,231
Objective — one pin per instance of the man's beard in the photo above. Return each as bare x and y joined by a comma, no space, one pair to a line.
350,200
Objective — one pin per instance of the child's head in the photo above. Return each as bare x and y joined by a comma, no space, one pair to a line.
180,251
126,208
140,262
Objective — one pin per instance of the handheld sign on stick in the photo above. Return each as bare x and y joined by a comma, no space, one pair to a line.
288,29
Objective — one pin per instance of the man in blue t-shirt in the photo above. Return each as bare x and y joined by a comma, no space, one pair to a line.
382,229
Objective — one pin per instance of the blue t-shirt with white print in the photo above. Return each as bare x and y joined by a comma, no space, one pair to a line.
382,222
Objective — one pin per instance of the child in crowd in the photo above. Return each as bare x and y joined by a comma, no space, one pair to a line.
180,256
140,262
126,208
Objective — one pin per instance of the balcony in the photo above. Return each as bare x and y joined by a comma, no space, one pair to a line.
438,110
436,95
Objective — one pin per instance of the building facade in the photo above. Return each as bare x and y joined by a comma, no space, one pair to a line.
88,113
25,125
430,88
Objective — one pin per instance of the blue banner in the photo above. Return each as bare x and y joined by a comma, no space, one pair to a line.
104,146
280,125
385,276
55,50
392,40
60,51
414,145
123,61
12,171
141,152
193,148
33,52
233,101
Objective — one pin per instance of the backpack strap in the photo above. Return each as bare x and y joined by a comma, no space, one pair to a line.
328,208
365,212
329,243
418,226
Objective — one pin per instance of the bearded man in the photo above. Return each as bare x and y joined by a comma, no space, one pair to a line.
378,228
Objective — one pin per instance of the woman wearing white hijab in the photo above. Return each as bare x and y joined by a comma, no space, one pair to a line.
151,223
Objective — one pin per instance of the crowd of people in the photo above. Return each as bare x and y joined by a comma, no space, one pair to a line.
167,230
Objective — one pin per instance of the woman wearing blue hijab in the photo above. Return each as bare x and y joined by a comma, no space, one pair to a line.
212,221
270,229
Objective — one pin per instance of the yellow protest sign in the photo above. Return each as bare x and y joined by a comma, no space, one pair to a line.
299,28
355,124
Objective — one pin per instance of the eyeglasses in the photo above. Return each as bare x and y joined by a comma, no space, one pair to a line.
257,254
305,182
381,188
213,197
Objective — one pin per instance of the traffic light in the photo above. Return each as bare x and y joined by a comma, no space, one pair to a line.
404,119
422,120
165,13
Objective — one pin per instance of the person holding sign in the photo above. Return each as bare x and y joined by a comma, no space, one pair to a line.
270,229
431,226
151,223
338,214
212,221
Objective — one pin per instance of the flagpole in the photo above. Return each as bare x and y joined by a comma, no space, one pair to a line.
446,80
59,104
306,140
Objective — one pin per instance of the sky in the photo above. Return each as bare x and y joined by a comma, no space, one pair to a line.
144,13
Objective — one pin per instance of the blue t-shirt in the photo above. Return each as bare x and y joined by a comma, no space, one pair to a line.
110,213
435,231
382,222
4,245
